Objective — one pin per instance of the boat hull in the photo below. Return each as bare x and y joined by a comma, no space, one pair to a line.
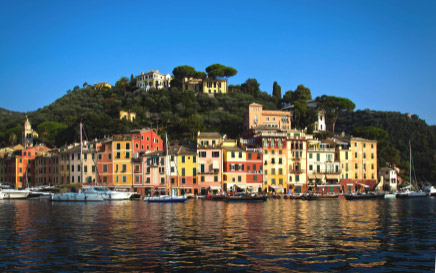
245,198
166,199
15,194
76,197
364,196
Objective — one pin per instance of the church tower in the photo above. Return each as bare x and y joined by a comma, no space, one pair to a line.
27,137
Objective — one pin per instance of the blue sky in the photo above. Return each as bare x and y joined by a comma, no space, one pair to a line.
380,54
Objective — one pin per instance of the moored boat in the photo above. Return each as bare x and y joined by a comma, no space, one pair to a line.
216,197
15,194
363,196
430,190
247,198
390,195
109,195
166,199
316,196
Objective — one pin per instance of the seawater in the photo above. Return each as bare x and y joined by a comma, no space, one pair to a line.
207,236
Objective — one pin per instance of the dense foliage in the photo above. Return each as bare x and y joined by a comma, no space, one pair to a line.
393,131
182,113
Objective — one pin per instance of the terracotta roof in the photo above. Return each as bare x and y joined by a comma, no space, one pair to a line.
209,135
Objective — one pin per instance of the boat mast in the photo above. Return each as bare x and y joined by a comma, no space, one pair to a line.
81,159
167,164
410,165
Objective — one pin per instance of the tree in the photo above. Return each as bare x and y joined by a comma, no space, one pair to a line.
12,138
229,72
277,93
184,71
334,107
48,131
219,70
251,86
85,84
301,93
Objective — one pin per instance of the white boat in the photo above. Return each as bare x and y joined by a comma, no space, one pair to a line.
109,194
81,196
166,198
408,193
15,194
390,195
76,197
430,190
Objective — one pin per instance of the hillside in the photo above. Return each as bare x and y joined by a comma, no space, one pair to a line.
182,114
400,129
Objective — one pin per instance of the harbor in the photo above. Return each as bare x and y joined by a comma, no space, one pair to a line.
380,235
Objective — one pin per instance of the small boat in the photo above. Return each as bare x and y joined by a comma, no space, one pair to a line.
109,195
247,198
216,197
301,196
430,190
15,194
408,193
390,195
76,197
276,196
364,196
80,196
166,199
316,196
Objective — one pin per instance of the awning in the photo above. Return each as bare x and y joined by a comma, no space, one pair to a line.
327,186
366,186
314,176
215,188
215,165
276,187
181,187
241,186
332,176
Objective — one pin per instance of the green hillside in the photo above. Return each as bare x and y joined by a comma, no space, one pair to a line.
182,114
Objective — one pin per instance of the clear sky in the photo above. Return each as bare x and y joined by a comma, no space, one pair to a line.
380,54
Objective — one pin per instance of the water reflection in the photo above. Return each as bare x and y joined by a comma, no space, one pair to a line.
278,235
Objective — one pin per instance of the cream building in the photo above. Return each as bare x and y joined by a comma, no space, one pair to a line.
322,167
153,79
207,86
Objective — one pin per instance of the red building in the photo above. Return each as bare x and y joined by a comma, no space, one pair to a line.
149,140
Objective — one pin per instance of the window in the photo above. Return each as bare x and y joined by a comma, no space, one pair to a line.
215,178
273,171
355,166
124,179
372,156
118,146
127,155
280,161
194,159
202,154
183,159
183,171
364,155
297,178
85,169
310,155
104,168
280,171
310,167
147,180
194,172
110,156
85,156
118,156
240,155
273,181
124,168
194,180
355,155
162,180
72,168
202,178
254,178
183,180
215,154
239,178
104,179
249,155
346,155
281,181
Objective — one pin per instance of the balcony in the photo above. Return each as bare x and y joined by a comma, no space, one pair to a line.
254,172
291,170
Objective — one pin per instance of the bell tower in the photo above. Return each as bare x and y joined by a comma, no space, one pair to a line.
27,137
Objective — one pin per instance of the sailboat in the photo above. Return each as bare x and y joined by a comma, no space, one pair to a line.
408,193
81,196
171,198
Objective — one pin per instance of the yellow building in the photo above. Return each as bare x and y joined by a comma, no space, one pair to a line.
101,85
187,170
363,159
122,147
127,115
207,86
296,147
256,117
274,160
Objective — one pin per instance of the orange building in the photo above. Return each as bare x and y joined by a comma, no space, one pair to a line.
256,116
